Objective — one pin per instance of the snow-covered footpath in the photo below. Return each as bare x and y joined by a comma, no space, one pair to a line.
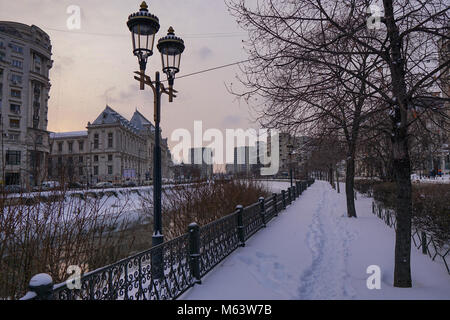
313,251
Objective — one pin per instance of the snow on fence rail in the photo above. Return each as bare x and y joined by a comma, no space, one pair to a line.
166,271
422,240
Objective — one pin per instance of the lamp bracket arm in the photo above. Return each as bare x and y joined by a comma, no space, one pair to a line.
143,78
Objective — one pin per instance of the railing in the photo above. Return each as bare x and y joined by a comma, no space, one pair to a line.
421,239
169,269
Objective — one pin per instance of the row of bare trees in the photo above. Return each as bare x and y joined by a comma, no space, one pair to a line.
357,72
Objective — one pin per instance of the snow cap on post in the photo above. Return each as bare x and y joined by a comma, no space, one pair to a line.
42,285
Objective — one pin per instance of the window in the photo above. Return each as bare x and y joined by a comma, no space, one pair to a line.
59,160
16,49
16,79
110,169
95,158
16,93
17,64
70,146
110,140
95,170
80,171
14,136
80,159
12,157
14,108
70,160
14,123
110,157
81,145
37,63
96,141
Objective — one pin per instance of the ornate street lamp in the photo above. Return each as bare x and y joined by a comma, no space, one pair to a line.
171,48
143,27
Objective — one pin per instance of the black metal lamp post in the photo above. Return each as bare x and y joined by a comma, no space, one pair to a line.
290,148
143,27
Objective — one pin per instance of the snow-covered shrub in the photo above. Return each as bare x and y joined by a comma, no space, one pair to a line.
38,236
431,210
202,203
365,186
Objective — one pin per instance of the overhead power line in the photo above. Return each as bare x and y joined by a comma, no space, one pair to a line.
184,35
214,68
198,35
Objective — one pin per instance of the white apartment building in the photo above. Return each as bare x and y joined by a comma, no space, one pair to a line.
25,62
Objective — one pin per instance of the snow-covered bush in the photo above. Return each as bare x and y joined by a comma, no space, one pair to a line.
202,203
49,233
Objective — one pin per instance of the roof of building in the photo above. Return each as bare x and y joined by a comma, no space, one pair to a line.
110,116
141,122
71,134
25,32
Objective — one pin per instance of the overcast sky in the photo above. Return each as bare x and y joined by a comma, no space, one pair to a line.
92,70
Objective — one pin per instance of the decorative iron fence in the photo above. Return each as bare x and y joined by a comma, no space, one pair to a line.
166,271
422,240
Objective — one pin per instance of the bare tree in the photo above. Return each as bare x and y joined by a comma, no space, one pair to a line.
306,36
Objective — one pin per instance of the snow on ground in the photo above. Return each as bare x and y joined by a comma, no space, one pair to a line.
275,186
438,179
313,251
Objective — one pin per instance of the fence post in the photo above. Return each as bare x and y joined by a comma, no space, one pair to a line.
40,288
194,251
275,205
424,243
240,225
283,195
294,192
373,207
262,211
289,195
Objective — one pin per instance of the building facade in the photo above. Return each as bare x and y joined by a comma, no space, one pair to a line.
294,157
201,162
246,162
25,62
112,149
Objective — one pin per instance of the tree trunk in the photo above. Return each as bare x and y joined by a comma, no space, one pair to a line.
337,180
402,177
400,154
330,176
349,186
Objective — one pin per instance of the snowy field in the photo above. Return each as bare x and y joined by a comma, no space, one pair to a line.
313,251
